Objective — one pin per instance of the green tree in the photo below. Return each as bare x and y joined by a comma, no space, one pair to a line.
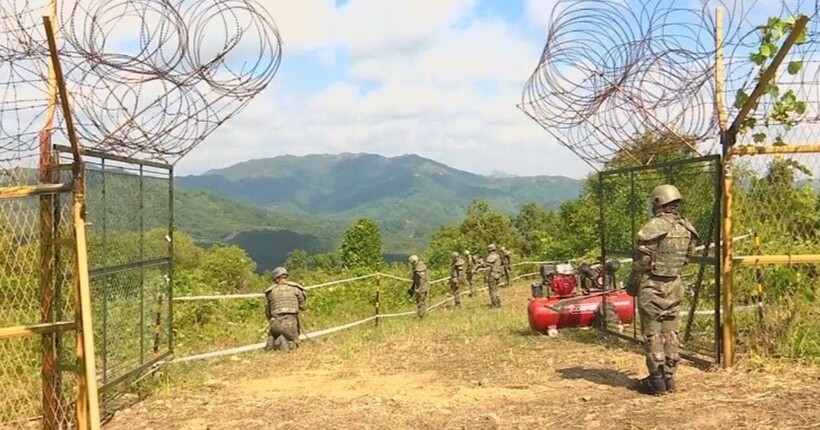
362,246
538,228
297,259
483,226
229,269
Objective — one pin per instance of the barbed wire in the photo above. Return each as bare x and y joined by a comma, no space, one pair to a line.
611,72
147,78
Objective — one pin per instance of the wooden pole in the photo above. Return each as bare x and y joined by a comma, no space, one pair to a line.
727,183
51,377
88,408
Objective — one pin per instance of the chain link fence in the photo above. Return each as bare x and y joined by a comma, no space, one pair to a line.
37,298
776,197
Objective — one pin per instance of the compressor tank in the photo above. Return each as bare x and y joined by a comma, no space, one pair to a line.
580,312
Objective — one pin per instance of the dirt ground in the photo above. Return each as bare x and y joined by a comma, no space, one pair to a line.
469,368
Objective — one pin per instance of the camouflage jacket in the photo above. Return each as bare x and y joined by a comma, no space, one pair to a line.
493,263
457,269
664,245
285,298
419,276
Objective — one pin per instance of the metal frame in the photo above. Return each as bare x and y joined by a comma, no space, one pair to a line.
144,361
606,251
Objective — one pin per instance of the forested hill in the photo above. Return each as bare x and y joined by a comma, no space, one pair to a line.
319,195
402,189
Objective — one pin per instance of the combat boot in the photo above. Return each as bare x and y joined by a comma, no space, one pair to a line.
270,343
654,384
279,343
670,383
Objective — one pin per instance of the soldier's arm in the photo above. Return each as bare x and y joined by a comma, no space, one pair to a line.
267,306
693,240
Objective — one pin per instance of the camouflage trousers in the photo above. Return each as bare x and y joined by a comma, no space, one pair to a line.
492,286
421,303
455,286
658,303
470,283
508,275
284,332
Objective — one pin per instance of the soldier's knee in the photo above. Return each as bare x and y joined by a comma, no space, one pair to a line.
654,342
671,339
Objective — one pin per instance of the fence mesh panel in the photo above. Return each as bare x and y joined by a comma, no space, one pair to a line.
129,212
36,274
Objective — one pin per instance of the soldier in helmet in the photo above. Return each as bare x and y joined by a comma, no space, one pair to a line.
470,271
420,285
506,263
285,300
456,277
493,265
664,246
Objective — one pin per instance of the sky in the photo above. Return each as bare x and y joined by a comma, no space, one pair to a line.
439,78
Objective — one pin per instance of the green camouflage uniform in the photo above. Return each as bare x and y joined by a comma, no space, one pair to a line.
456,279
664,245
470,272
284,302
420,287
493,264
506,262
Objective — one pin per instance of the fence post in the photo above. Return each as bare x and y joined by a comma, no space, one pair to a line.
378,296
87,405
759,280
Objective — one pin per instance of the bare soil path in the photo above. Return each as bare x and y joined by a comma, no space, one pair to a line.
468,368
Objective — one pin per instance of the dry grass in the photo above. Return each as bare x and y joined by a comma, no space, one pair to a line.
473,368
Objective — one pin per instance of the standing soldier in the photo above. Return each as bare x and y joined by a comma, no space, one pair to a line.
470,271
493,265
506,263
420,286
456,277
285,300
664,244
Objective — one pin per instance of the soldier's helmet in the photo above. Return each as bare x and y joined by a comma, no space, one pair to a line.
279,272
662,195
467,253
491,247
413,259
455,255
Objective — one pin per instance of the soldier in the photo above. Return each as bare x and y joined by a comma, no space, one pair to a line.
664,244
456,277
420,286
506,263
470,271
284,301
493,265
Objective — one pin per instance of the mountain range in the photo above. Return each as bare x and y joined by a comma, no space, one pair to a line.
273,205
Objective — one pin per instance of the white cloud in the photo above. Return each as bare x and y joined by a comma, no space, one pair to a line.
435,88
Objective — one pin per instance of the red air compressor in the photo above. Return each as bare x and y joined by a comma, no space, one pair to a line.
565,306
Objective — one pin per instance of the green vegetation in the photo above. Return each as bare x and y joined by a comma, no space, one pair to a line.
362,247
273,206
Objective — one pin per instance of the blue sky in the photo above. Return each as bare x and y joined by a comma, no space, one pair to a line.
440,78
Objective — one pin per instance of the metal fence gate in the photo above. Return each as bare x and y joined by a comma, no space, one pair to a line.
129,206
624,209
